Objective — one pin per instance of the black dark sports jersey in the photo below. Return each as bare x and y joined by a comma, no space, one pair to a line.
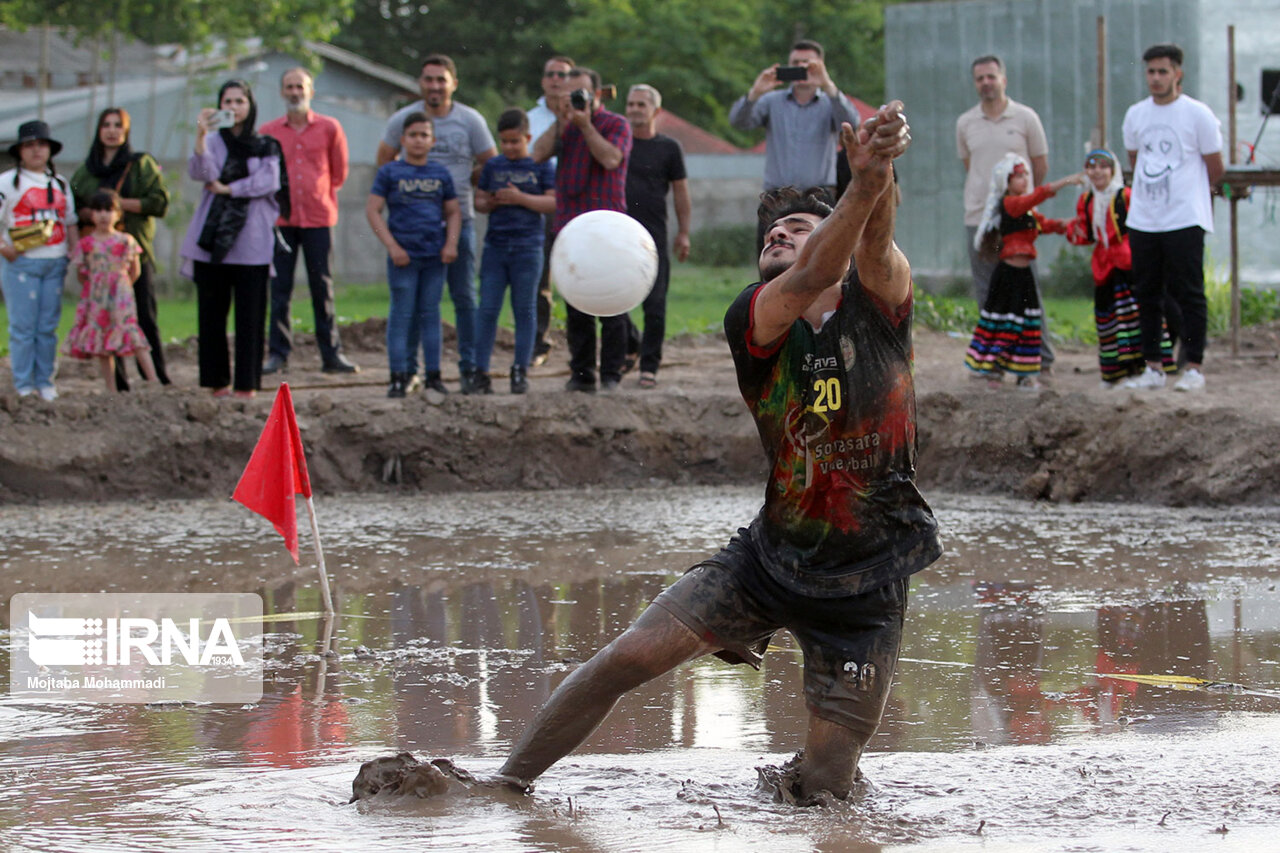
835,409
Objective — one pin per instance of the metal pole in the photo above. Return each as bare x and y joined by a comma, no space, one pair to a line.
1102,82
90,128
42,72
324,575
1234,202
111,68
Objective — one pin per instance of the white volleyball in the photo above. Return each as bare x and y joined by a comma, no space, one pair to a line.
604,263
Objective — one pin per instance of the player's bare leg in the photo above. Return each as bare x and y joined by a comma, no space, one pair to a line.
831,755
656,643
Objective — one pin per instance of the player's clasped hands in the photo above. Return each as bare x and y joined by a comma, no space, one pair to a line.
887,131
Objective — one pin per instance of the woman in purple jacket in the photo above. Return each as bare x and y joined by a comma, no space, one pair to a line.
229,244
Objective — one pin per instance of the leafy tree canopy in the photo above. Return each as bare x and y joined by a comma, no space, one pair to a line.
279,23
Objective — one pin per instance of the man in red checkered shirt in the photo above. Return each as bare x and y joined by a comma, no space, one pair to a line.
592,146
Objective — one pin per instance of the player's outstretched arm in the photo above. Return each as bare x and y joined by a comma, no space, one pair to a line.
824,258
882,267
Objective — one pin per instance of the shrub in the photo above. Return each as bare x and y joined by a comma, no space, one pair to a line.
724,246
1069,274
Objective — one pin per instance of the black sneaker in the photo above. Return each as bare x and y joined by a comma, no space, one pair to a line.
467,381
434,382
608,386
480,383
584,384
275,364
398,386
519,380
340,364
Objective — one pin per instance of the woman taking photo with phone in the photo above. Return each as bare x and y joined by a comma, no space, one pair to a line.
135,177
229,244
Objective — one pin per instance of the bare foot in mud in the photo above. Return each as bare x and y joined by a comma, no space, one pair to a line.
784,784
403,775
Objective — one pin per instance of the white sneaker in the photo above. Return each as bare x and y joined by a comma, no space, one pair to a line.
1192,380
26,392
48,393
1149,380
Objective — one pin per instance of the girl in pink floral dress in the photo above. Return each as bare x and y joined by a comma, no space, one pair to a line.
108,262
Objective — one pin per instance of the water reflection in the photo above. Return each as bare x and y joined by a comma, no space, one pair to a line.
449,640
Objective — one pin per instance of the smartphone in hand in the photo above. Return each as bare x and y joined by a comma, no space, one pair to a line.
792,72
222,119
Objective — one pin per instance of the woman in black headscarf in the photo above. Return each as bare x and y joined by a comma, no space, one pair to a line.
135,176
229,244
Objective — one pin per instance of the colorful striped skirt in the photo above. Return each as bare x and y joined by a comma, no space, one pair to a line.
1007,337
1115,314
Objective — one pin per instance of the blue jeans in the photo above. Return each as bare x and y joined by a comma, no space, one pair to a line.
521,268
462,290
33,297
413,315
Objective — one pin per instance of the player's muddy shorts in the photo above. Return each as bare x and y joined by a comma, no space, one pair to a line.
850,644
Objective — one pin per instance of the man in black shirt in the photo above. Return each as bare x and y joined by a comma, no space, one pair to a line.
657,163
823,358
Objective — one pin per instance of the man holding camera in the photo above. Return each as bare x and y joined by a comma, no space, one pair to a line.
592,146
802,122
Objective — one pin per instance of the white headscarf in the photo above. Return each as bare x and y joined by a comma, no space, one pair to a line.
1102,198
994,205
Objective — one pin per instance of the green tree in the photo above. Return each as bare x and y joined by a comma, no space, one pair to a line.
279,23
499,45
701,54
851,34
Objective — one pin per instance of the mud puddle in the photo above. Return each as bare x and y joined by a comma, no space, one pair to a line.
1022,717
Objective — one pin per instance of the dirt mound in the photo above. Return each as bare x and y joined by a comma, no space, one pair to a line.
1072,442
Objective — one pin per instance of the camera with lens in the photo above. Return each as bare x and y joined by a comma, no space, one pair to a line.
580,99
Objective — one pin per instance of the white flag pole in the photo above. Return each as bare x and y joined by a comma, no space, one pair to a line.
324,575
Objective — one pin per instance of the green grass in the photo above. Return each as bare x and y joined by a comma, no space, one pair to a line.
696,304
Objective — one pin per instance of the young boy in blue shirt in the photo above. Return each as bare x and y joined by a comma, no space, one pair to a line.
421,235
515,192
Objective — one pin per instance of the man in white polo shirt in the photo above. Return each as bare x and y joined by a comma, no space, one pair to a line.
995,126
1175,148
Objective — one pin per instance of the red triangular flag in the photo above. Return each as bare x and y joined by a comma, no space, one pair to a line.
277,471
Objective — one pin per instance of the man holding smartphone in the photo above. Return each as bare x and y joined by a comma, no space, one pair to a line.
801,122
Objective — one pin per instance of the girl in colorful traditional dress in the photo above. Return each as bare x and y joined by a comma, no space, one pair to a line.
106,325
1007,337
1100,220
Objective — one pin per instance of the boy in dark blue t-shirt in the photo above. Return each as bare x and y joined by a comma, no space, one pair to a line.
421,235
515,192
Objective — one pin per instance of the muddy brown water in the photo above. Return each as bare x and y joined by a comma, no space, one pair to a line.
462,612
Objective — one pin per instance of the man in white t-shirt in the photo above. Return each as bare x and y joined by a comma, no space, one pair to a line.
1175,148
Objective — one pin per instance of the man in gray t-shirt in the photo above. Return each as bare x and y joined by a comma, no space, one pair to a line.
463,144
802,122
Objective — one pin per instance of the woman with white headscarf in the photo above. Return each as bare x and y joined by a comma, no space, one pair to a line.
1007,337
1100,221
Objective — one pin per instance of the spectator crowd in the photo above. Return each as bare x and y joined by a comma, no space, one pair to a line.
268,198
